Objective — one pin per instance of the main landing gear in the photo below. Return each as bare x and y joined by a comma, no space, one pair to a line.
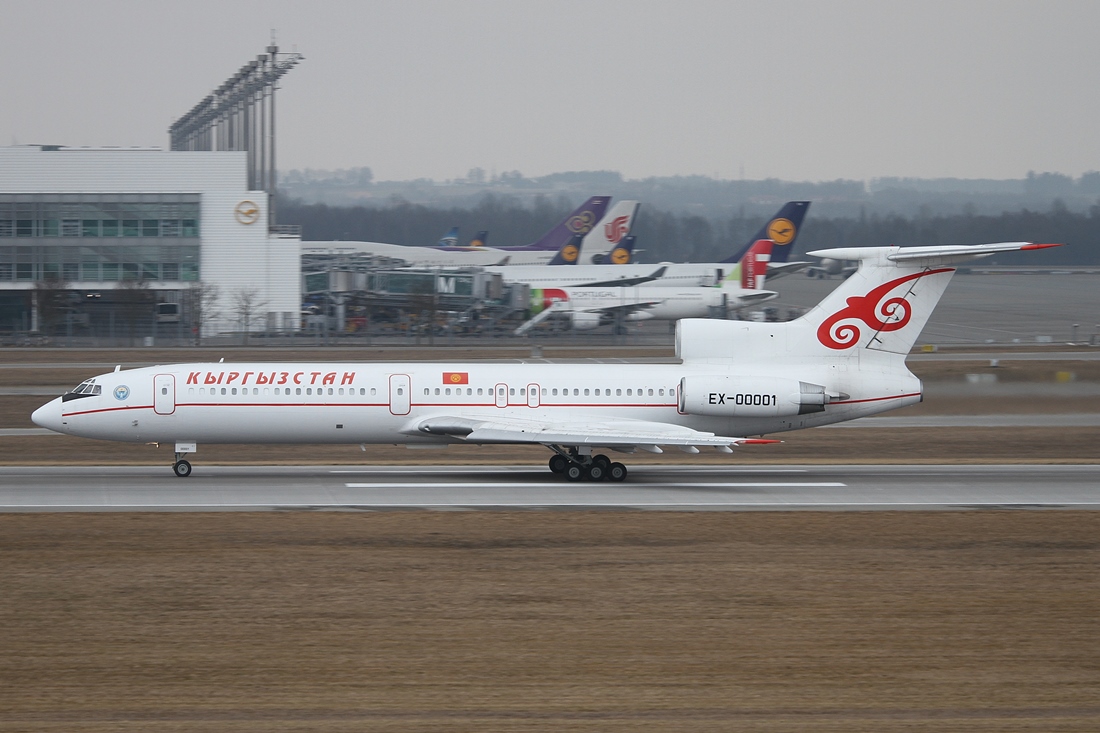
577,467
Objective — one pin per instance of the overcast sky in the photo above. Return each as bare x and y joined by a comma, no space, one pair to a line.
416,88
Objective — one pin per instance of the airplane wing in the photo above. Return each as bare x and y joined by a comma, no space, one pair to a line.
782,269
617,434
625,282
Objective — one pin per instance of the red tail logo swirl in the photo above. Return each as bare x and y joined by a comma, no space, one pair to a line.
878,312
615,229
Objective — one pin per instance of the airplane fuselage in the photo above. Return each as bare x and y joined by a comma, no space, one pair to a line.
384,402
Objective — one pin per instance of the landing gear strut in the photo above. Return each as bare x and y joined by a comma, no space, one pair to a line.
181,467
578,467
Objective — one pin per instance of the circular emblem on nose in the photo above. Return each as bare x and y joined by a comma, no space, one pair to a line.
122,392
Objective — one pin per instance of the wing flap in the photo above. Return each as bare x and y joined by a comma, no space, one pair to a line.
615,433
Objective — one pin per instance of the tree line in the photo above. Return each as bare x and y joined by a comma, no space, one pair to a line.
679,237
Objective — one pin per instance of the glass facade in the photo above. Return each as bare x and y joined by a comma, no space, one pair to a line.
99,237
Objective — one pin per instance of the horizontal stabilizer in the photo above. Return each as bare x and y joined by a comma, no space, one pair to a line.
926,256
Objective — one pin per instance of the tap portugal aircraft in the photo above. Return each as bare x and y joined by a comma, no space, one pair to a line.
843,360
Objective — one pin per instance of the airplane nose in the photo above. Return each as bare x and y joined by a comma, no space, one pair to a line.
49,416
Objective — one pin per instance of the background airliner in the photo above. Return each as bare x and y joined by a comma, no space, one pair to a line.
586,308
844,359
591,220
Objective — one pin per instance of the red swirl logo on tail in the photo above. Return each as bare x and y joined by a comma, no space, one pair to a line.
876,310
616,229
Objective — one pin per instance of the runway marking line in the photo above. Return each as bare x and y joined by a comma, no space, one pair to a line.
556,484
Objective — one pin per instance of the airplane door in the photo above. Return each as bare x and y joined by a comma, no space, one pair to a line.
164,394
501,391
532,395
400,394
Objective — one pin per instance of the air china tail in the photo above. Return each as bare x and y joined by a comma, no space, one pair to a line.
844,359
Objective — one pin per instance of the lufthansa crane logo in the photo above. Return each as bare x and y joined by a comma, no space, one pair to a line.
620,256
781,231
569,252
247,212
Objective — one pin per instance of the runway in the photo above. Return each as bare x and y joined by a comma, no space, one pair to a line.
457,488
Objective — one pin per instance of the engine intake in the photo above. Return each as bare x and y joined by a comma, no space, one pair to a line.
750,397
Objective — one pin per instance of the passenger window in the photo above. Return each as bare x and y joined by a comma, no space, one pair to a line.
309,390
522,391
650,393
233,391
544,391
437,390
618,393
586,393
298,390
554,391
266,393
191,391
512,391
479,391
400,390
596,392
628,393
374,390
661,392
223,390
470,391
330,390
447,391
576,392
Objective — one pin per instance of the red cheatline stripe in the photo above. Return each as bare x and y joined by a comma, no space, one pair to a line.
1039,246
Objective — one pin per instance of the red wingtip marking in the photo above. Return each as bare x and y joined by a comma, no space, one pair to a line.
1039,246
757,441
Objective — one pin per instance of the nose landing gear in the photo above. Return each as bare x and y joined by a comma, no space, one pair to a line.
577,467
181,467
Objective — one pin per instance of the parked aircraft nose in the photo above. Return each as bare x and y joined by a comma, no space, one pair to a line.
49,416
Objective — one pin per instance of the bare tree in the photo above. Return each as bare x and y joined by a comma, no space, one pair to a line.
135,300
246,304
203,302
52,298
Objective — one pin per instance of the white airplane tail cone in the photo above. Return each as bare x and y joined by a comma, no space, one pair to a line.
881,308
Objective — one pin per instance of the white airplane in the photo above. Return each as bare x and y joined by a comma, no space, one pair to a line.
782,228
587,308
843,360
602,231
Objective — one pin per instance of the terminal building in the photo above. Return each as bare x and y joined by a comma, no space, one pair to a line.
99,224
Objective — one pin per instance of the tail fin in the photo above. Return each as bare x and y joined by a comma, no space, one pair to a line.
581,221
752,270
623,252
450,239
480,239
610,232
782,229
570,251
881,308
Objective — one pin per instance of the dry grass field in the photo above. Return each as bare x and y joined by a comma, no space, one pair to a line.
541,621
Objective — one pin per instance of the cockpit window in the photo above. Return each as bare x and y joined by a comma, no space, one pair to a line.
87,388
